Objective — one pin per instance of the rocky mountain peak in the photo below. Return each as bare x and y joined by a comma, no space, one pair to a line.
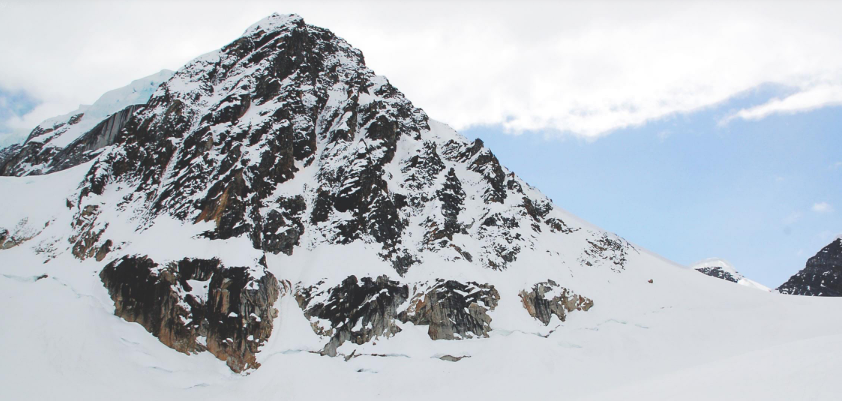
822,276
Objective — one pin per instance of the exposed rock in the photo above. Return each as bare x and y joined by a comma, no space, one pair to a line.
559,226
453,310
822,276
362,310
230,317
607,248
451,358
87,234
8,152
548,298
22,232
356,311
719,273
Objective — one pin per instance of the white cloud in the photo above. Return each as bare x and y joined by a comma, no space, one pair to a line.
822,207
581,68
805,100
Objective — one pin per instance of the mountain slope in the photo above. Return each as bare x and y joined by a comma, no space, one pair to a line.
275,202
822,276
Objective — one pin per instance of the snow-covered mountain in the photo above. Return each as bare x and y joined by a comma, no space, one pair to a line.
822,276
278,206
724,270
69,139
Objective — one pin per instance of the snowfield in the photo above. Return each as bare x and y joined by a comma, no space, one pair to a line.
684,336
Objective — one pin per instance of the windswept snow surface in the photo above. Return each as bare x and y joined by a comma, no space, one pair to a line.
683,336
727,267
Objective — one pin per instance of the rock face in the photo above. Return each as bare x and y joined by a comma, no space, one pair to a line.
717,272
355,311
821,277
453,310
548,298
362,310
196,305
8,152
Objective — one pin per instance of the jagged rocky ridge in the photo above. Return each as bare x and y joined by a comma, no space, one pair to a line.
285,142
822,276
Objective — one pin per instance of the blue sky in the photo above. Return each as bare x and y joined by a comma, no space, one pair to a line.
13,106
689,188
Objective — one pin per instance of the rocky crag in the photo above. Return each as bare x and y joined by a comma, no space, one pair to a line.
822,276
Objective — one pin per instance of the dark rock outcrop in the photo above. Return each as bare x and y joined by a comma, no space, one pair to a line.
8,152
606,248
548,298
453,310
362,310
718,272
230,316
355,310
822,275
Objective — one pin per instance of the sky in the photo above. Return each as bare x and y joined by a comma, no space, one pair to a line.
695,130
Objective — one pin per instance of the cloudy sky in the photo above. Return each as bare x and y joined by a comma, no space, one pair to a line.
694,130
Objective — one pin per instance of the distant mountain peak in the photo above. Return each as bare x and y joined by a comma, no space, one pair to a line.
722,269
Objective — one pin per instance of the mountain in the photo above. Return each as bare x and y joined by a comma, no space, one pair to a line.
70,139
724,270
822,276
278,206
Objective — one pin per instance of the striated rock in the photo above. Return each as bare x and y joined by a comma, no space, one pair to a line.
453,310
8,152
87,235
362,310
822,276
356,311
229,312
548,298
